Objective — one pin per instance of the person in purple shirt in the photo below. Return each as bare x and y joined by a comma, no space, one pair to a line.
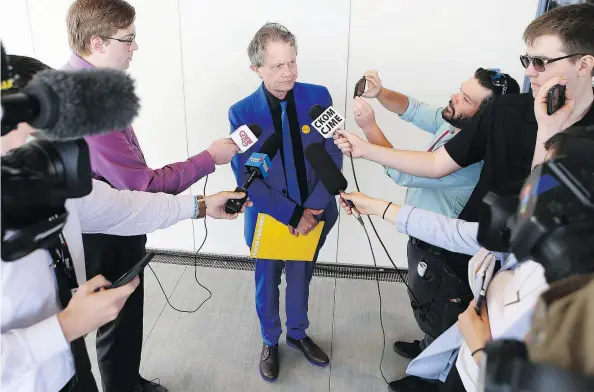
101,33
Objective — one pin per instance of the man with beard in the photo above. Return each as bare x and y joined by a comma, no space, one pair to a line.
447,195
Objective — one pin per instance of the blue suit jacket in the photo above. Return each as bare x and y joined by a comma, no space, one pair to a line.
267,195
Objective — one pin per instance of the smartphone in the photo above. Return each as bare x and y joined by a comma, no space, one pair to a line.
360,87
555,99
133,272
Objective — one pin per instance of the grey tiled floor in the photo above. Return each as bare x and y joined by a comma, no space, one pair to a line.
217,348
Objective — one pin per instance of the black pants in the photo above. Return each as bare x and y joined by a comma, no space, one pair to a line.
453,382
119,343
440,295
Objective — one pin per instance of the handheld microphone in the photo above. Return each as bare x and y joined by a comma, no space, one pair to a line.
258,165
332,178
68,105
246,136
325,121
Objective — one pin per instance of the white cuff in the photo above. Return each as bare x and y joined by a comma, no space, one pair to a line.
46,339
188,207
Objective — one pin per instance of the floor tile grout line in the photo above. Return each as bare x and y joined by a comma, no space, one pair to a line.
332,338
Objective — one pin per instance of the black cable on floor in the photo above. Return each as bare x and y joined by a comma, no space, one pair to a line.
195,268
377,272
379,293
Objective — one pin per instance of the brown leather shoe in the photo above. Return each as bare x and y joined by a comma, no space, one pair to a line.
269,363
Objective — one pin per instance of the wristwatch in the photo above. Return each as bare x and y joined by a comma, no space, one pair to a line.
201,207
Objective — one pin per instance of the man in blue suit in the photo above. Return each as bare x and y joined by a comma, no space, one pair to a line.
292,193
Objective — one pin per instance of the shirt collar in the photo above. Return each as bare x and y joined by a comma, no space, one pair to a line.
528,277
274,102
78,62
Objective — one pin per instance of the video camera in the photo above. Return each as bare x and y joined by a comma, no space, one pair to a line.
506,368
38,177
552,220
552,223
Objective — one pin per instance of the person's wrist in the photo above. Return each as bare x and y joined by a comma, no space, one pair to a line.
201,208
370,127
546,131
378,206
212,152
379,93
365,149
477,355
65,320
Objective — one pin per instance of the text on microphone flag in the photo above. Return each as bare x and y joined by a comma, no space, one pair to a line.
244,138
328,122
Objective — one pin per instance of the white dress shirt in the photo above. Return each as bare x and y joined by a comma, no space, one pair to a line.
35,354
510,294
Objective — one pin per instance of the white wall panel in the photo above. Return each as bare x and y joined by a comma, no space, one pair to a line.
15,30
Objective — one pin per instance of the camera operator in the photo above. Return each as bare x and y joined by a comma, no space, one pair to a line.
562,326
511,296
557,354
43,324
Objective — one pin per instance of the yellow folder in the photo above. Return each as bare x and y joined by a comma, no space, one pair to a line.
272,240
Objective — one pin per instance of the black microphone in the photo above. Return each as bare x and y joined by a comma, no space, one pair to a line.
327,171
68,105
315,111
258,165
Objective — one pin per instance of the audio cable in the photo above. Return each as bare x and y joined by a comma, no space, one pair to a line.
377,271
195,269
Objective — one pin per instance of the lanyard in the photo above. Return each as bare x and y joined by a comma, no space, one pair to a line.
437,141
429,150
62,259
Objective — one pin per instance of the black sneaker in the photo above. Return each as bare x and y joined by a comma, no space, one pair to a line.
408,350
413,384
144,385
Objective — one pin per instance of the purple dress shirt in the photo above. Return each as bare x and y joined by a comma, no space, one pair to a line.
116,157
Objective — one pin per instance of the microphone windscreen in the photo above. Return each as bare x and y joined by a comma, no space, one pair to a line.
332,178
271,145
90,101
315,111
256,130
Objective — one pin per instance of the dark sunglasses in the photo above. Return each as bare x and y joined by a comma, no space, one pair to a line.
539,63
498,79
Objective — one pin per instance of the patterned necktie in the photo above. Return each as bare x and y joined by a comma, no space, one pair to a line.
289,160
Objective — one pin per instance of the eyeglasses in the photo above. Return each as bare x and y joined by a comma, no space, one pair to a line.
539,63
499,79
126,41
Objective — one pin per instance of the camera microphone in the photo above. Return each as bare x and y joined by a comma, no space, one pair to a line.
68,105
